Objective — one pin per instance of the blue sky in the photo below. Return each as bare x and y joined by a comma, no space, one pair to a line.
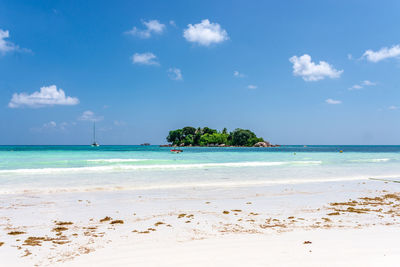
295,72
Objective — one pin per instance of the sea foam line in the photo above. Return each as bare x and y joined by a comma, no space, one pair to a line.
115,160
370,160
193,185
156,166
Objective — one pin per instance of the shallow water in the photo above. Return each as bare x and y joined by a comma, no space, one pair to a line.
83,168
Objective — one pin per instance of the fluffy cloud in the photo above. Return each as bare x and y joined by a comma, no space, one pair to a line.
333,102
251,86
383,53
89,115
309,71
47,96
175,74
368,83
238,74
362,84
145,59
6,46
151,26
205,33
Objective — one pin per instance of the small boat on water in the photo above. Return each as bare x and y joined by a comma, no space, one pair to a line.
176,151
94,144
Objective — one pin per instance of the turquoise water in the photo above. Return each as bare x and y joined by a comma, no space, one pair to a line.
83,168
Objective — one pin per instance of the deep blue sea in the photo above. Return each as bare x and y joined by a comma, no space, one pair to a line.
84,168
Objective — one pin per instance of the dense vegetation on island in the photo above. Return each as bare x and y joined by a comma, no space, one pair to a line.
190,136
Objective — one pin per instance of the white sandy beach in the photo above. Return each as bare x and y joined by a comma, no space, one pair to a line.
225,226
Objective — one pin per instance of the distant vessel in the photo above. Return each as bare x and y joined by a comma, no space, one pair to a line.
176,151
94,144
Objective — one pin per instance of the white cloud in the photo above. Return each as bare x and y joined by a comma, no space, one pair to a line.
309,71
368,83
89,115
333,102
393,107
63,125
238,74
51,124
6,46
250,86
175,74
383,53
349,56
151,26
48,96
172,23
205,33
145,59
362,84
355,87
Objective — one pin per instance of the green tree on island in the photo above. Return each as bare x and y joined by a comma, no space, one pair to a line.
190,136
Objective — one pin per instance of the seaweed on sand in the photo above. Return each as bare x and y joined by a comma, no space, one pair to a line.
117,222
106,219
64,223
60,229
16,233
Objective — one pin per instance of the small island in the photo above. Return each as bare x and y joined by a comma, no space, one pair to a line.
191,136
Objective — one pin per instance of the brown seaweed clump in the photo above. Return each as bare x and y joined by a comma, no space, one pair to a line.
225,212
1,243
158,223
333,213
16,233
117,222
64,223
60,229
106,219
307,242
36,241
392,196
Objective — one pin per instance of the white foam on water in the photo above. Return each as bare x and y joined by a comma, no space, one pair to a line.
115,160
370,160
155,166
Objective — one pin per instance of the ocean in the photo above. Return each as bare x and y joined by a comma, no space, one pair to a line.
52,169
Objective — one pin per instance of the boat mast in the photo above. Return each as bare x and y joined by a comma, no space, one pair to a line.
94,132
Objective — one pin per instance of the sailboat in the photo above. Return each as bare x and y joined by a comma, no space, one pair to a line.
94,144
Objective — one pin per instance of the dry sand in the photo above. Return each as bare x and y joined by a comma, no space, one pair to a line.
317,224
